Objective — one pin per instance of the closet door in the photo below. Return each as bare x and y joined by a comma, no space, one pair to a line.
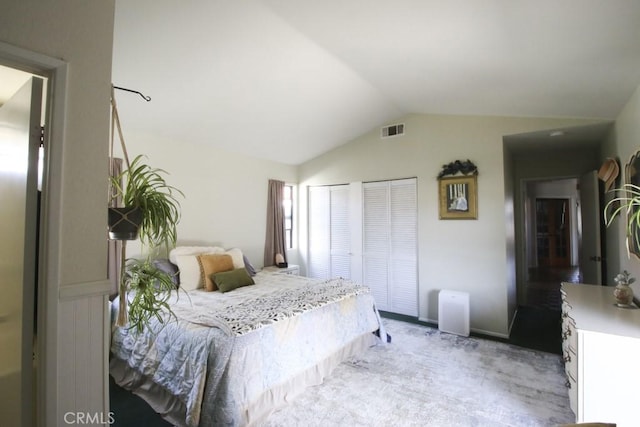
375,241
329,232
319,223
390,231
339,229
403,247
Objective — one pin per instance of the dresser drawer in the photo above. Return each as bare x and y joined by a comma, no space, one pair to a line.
572,389
569,335
570,363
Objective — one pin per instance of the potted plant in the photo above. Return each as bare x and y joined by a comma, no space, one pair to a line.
151,207
623,292
629,204
149,202
151,292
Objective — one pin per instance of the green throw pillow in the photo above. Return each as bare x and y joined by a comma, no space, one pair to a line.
230,280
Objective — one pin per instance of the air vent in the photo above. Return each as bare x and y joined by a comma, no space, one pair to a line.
392,130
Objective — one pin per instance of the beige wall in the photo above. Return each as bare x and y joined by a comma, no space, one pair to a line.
225,199
470,256
623,142
79,34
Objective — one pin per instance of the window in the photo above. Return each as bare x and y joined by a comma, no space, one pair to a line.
288,215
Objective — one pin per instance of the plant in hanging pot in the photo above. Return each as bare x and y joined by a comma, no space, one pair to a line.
149,201
150,206
146,194
150,289
628,203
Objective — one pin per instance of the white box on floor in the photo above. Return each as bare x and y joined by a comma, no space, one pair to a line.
453,312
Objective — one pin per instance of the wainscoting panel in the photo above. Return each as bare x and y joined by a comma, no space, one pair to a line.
83,339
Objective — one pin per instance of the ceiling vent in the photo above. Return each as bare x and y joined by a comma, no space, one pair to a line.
392,130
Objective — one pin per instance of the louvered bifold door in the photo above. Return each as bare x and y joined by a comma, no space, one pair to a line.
375,244
390,233
319,222
340,237
403,277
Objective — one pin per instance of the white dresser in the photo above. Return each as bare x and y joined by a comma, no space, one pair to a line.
601,350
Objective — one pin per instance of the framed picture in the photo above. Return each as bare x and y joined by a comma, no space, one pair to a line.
458,197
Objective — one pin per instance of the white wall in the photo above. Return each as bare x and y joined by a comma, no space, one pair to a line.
79,34
225,199
474,256
623,142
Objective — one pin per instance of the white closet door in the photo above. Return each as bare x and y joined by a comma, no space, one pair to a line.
403,241
340,240
390,244
319,220
375,244
329,232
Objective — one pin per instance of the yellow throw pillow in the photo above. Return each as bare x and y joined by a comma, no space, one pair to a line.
211,264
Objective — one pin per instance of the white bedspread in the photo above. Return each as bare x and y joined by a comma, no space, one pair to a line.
233,358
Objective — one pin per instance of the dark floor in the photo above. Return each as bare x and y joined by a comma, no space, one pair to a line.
537,322
131,411
536,326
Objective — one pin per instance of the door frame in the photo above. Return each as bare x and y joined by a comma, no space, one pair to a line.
56,72
568,233
525,227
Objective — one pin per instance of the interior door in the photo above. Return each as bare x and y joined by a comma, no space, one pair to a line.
339,229
19,144
553,232
591,247
329,232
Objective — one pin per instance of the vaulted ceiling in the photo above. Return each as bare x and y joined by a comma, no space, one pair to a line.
291,79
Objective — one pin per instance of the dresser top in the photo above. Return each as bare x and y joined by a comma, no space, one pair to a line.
593,308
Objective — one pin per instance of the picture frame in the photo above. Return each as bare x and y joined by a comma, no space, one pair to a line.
458,197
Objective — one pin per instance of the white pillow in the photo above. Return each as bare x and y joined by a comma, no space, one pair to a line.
236,257
192,250
189,267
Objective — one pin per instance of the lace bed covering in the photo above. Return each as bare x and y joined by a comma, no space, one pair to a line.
256,312
232,357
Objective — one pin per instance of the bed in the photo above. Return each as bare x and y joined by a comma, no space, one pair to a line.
232,358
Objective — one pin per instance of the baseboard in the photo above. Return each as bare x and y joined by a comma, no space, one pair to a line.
475,332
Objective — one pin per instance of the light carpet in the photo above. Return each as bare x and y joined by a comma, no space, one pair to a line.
428,378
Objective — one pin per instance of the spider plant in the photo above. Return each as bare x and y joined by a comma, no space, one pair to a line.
151,290
628,203
146,189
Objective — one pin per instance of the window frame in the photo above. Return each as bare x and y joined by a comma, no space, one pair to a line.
289,232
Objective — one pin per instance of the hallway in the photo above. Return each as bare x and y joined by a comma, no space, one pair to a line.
537,323
543,287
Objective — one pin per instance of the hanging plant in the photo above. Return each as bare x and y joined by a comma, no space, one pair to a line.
150,290
146,193
151,211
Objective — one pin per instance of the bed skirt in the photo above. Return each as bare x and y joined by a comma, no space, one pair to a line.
173,410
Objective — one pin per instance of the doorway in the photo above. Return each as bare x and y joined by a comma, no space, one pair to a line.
553,226
21,157
552,239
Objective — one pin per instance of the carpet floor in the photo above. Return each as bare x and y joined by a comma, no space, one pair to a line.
428,378
425,378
